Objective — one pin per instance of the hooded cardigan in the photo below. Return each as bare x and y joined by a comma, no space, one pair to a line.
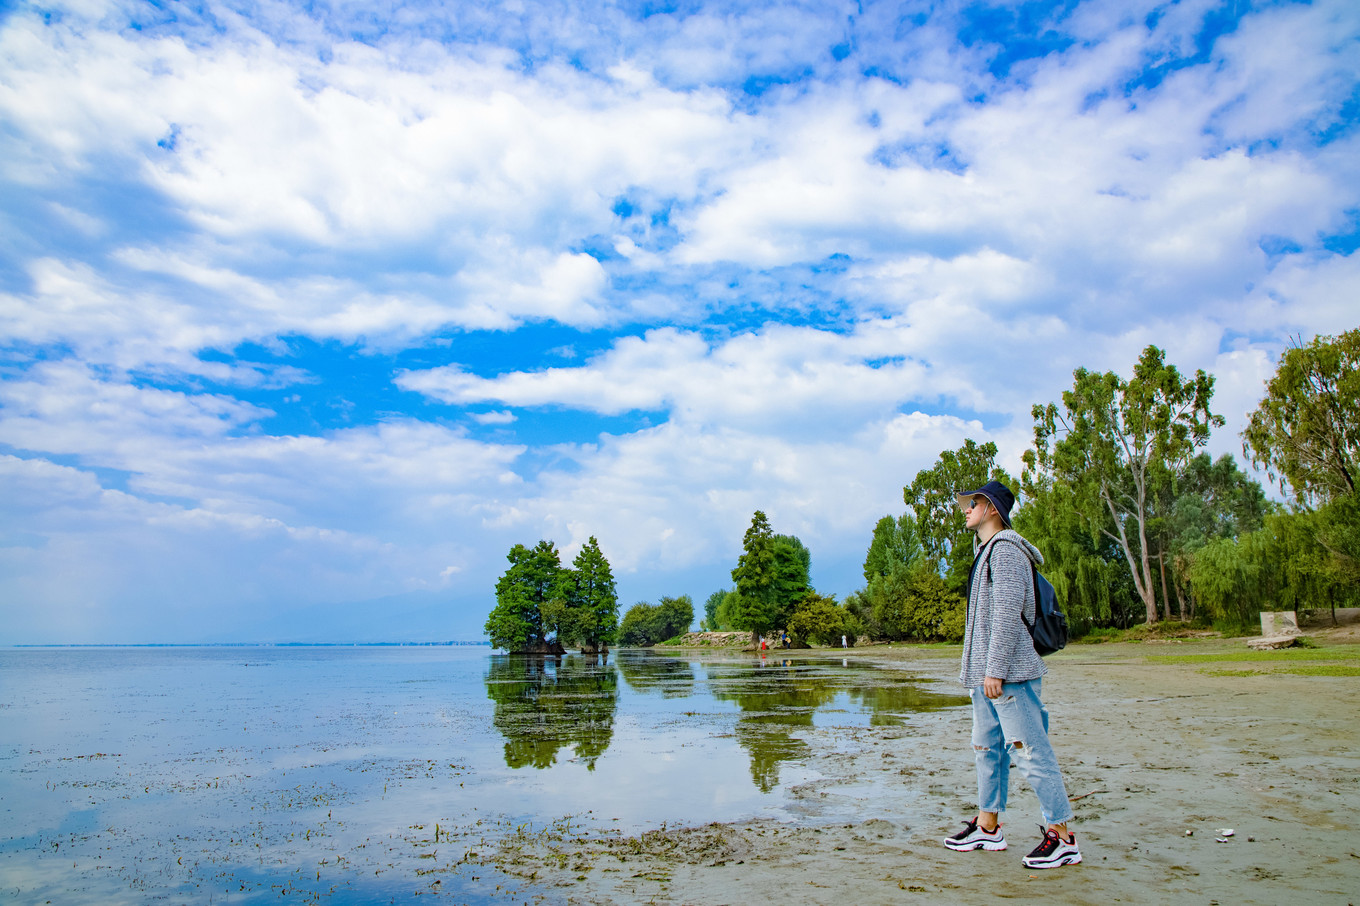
995,640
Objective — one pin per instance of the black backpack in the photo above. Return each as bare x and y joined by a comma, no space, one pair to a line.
1049,629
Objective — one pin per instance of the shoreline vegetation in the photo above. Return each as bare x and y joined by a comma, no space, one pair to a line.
1170,741
1173,631
1137,524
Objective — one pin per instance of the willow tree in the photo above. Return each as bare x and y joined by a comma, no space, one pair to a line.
1086,568
1306,433
1115,442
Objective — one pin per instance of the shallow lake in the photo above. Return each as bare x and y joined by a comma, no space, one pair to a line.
378,774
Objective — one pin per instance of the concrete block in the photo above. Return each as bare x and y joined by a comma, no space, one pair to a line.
1279,622
1273,641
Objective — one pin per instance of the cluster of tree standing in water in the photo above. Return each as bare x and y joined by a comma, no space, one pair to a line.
1136,524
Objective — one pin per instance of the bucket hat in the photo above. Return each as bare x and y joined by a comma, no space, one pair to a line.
1001,497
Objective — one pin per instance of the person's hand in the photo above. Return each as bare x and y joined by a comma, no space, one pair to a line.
991,687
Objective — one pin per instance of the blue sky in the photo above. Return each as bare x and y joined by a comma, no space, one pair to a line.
308,312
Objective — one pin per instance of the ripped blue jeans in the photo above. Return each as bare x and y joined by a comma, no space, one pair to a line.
1015,726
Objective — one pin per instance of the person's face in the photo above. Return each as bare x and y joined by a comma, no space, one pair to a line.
975,512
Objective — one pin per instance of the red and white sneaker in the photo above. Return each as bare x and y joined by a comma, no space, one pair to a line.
1053,851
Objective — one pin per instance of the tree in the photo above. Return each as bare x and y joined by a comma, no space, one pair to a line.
646,624
675,616
918,606
592,599
636,629
896,548
1211,498
932,496
1086,567
756,607
936,613
1280,566
1114,442
895,555
1305,432
817,621
713,620
792,575
533,580
859,610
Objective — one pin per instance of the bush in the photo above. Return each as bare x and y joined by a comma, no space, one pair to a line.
817,621
921,608
646,624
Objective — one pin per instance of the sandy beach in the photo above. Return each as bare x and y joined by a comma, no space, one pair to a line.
1161,754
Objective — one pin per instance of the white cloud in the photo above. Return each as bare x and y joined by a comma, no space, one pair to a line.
375,142
1306,294
679,494
502,417
800,378
197,448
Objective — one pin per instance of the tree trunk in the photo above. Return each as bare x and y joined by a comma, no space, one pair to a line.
1166,595
542,647
1142,581
1149,594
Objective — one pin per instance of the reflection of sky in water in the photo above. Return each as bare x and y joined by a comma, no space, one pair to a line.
129,774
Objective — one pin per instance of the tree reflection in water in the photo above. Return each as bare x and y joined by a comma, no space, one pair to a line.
543,703
781,695
775,700
647,672
890,705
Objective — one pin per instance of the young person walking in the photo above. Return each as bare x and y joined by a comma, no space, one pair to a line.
1004,675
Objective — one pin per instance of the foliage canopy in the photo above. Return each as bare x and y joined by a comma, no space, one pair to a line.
933,501
541,606
1306,431
1116,443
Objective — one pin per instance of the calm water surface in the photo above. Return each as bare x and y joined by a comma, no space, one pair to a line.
356,775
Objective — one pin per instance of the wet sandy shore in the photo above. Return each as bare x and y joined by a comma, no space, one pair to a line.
1160,755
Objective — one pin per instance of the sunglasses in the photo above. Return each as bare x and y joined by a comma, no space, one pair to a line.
975,502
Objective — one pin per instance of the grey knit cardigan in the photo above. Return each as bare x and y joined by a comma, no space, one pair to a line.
995,641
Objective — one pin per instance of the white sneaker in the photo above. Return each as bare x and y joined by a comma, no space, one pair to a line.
974,837
1053,851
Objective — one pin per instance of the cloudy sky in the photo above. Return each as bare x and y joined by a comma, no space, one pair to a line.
308,312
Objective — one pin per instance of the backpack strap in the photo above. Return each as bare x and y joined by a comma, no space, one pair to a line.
1034,578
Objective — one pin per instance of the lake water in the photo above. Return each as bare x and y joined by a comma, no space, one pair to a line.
377,774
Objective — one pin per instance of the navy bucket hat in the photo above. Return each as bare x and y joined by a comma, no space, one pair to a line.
1000,496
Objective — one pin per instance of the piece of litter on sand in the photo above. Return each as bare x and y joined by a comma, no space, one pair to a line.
1189,833
1225,831
1220,839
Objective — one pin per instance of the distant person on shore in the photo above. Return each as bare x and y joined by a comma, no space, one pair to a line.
1004,675
843,645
